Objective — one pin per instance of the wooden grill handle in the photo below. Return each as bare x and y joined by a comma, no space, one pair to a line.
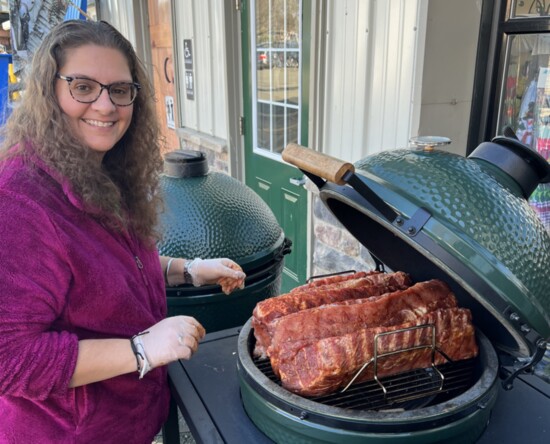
319,164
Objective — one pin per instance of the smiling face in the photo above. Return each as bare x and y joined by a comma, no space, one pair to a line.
101,124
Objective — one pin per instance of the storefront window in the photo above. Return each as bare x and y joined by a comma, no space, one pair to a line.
525,103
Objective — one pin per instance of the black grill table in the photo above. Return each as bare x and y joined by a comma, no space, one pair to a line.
206,390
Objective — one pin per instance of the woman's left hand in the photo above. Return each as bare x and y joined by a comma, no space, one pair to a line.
223,271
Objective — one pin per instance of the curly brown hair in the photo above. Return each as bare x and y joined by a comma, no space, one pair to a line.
125,186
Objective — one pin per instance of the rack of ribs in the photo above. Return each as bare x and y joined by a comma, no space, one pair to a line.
267,311
314,367
347,316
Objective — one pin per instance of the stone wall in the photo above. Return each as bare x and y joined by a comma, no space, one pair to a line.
334,248
214,148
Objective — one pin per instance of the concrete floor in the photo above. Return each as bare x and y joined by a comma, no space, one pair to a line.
185,434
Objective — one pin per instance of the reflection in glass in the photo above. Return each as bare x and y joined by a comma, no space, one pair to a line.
292,77
525,103
278,131
262,23
277,73
264,125
263,83
292,126
293,59
262,60
530,8
278,23
292,25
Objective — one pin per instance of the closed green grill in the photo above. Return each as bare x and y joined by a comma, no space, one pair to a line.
211,215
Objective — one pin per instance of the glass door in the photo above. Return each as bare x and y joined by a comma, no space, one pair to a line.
276,76
275,91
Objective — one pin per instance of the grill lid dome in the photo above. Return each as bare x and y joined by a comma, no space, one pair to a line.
210,214
463,220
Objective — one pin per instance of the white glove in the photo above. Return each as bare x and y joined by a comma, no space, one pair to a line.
171,339
224,272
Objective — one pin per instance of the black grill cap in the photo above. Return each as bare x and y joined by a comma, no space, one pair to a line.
523,164
185,163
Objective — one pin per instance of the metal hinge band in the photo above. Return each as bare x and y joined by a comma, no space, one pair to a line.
241,126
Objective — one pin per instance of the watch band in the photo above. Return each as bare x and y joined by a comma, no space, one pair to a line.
187,278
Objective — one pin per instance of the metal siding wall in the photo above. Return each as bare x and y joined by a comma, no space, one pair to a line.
203,22
371,73
131,20
219,64
345,73
390,105
120,16
185,25
203,66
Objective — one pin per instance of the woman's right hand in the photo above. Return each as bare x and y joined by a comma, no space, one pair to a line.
171,339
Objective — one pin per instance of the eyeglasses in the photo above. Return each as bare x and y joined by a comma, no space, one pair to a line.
85,90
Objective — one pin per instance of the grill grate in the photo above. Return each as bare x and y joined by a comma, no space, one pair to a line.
404,391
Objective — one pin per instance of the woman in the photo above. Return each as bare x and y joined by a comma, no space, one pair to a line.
83,334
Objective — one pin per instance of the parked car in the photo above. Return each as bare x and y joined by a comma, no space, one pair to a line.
263,61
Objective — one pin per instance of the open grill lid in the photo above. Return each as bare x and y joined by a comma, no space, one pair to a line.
463,220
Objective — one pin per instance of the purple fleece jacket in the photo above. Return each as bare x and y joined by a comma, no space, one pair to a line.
65,277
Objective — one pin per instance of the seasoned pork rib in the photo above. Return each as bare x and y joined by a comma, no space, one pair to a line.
347,316
321,366
330,280
371,285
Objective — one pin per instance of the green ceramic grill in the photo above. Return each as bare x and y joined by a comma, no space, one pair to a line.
432,214
464,220
209,215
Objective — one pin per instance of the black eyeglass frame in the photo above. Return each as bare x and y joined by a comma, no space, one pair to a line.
69,79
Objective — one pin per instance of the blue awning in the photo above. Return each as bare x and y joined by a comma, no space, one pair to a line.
74,13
